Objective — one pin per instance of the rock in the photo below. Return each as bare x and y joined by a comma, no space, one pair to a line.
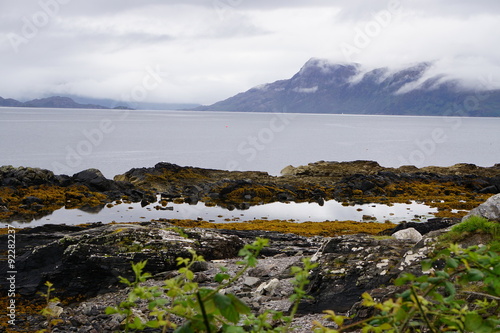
490,209
250,281
350,265
268,288
423,227
408,234
32,200
89,260
94,180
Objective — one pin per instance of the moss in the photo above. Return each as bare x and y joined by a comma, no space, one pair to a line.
327,228
173,176
51,198
178,201
475,229
25,308
450,199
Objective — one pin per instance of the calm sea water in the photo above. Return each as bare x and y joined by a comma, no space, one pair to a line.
114,141
70,140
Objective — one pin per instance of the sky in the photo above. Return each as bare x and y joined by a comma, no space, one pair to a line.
203,51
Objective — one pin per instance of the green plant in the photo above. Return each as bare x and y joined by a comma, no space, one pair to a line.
478,223
474,224
435,302
205,309
51,311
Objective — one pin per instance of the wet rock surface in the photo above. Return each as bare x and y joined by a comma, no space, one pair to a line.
87,260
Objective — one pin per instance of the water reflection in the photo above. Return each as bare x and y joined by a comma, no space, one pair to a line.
299,212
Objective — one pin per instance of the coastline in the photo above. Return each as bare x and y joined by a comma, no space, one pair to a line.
84,262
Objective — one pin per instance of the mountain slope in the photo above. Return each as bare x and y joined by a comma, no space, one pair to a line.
323,87
78,102
49,102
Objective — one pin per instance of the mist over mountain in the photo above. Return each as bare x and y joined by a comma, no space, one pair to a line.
324,87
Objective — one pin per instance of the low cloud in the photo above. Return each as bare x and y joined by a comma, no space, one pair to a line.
209,53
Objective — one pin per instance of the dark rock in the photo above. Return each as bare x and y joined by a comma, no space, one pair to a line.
424,227
94,180
489,189
88,261
349,266
31,200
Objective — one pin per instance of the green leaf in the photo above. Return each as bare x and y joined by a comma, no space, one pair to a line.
451,262
110,310
226,308
186,328
153,324
405,294
450,288
232,329
401,314
475,275
239,305
496,270
426,264
473,322
219,277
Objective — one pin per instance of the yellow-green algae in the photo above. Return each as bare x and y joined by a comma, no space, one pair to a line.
443,196
325,229
52,198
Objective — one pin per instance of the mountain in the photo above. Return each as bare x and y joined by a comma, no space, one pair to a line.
324,87
139,105
78,102
59,102
50,102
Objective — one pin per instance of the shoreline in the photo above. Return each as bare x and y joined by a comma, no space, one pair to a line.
26,193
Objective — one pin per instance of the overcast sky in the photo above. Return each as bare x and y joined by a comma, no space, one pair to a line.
203,51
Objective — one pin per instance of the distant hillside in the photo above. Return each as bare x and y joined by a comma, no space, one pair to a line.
50,102
324,87
78,102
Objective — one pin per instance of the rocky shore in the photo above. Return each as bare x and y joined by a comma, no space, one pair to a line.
26,193
84,262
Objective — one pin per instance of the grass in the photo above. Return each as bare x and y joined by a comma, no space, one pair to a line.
478,224
474,225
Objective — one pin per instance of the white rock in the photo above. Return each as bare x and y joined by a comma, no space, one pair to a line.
408,234
268,288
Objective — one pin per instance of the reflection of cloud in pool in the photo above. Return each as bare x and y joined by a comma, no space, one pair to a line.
300,212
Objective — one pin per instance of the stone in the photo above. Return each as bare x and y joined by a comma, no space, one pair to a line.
250,281
408,234
87,261
268,288
423,228
490,209
348,266
94,180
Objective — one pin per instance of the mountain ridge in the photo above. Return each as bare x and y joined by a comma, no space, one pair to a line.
78,102
324,87
52,102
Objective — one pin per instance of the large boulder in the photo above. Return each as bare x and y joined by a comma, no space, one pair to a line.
410,234
23,176
350,265
87,261
490,209
94,180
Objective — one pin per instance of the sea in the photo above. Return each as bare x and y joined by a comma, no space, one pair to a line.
67,141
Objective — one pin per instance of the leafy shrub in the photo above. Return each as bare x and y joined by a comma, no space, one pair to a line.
435,302
205,309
